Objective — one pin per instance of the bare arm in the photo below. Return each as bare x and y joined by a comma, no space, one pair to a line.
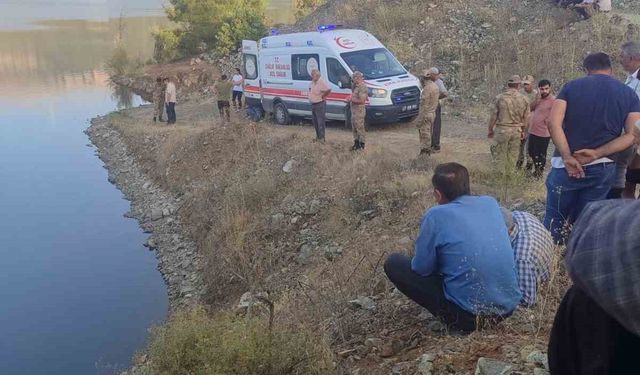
619,144
556,118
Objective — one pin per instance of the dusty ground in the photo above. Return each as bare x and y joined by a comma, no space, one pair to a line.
315,238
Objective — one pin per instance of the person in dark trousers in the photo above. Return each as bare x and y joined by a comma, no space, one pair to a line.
170,101
596,330
238,89
539,136
437,124
223,90
318,92
463,268
587,132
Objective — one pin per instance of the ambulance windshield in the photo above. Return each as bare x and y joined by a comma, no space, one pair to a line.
374,63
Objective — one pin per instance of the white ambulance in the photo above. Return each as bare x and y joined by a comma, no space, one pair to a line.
278,73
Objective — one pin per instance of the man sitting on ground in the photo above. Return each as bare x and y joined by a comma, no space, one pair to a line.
463,266
533,248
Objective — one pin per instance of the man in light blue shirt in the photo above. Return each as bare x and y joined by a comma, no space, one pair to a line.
464,266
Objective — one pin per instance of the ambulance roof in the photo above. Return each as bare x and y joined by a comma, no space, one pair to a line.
339,41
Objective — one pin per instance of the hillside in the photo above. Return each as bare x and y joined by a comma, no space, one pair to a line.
307,226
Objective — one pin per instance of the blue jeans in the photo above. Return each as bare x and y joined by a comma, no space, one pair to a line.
568,196
171,113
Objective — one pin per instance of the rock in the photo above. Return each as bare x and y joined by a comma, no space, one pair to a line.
436,326
332,252
277,219
540,371
536,357
400,367
487,366
288,166
314,207
146,185
156,214
364,303
425,315
387,351
166,212
368,214
295,219
486,25
151,244
404,240
304,253
426,364
248,300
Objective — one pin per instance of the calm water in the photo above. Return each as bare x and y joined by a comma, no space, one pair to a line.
77,289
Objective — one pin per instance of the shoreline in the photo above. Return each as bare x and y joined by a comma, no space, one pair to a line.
156,211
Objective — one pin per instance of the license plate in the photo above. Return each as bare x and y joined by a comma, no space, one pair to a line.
409,107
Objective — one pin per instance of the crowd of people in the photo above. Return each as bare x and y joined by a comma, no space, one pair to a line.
476,262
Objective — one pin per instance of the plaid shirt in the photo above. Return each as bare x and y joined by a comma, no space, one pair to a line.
603,258
533,249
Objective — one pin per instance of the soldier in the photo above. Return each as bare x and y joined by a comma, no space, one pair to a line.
223,88
158,100
509,115
437,125
428,106
532,95
358,110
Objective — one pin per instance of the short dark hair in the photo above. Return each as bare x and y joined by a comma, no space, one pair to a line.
597,61
223,77
159,79
452,180
238,70
512,85
544,82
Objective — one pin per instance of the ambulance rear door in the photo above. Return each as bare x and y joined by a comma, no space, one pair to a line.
252,79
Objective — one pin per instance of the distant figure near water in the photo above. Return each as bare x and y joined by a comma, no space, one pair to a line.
158,100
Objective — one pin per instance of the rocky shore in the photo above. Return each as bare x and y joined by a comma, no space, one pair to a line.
157,212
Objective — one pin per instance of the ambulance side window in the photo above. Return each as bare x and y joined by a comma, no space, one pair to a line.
251,66
302,65
337,74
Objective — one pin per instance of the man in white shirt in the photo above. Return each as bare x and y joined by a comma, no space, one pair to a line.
630,60
170,100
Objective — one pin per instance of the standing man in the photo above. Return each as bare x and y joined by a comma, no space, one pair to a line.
318,92
587,131
539,136
170,100
429,104
630,58
533,249
359,96
508,119
238,89
158,100
463,267
531,94
437,124
223,90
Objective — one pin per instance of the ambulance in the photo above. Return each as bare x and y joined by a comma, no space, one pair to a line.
278,74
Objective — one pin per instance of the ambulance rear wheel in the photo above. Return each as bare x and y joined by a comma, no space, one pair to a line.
281,114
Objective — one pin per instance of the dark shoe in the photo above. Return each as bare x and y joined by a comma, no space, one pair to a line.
435,150
154,118
362,145
356,145
425,151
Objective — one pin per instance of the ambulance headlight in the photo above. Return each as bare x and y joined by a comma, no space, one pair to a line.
377,93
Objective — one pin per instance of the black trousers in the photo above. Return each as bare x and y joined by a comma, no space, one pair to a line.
428,292
319,112
585,340
436,129
171,113
237,99
537,150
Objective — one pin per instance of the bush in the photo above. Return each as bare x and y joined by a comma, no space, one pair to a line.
195,343
119,64
205,25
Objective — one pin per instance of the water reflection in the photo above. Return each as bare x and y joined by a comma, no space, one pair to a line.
122,95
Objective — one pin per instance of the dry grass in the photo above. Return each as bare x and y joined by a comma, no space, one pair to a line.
232,184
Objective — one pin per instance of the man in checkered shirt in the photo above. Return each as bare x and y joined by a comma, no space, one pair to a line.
533,248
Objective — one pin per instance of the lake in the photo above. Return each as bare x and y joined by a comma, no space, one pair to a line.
78,291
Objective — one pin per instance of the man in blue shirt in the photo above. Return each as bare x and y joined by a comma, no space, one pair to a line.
463,266
586,125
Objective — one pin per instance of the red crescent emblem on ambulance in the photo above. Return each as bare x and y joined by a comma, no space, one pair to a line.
345,43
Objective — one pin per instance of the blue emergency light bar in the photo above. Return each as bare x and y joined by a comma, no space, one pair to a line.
322,28
274,32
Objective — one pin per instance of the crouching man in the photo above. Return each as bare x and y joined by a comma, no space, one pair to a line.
464,267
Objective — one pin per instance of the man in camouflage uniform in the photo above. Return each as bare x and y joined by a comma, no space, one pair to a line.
158,100
428,106
359,96
531,93
509,117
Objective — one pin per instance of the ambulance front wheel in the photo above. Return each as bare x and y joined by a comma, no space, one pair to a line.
281,114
